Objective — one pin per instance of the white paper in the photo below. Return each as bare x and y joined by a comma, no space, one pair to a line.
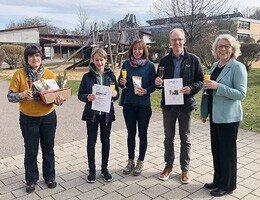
52,84
103,98
172,91
137,81
46,84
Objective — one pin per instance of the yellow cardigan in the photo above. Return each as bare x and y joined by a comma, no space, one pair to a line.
30,107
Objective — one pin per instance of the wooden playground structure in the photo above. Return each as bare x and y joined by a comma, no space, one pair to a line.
115,41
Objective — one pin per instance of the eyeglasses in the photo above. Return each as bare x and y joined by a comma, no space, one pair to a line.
223,46
177,39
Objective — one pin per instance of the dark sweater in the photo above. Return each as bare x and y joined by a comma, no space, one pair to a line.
147,72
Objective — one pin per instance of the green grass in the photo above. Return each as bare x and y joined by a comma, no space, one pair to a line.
251,104
74,85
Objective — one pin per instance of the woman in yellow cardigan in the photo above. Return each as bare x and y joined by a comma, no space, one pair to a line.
38,120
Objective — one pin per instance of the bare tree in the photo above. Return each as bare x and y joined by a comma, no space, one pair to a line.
191,15
49,29
83,18
256,14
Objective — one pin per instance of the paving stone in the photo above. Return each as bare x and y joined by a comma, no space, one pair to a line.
113,186
155,191
7,196
138,196
72,169
113,195
66,194
176,194
130,190
93,194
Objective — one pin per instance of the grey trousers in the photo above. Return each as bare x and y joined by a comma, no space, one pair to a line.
169,121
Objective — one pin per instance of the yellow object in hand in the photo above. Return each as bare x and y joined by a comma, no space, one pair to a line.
207,76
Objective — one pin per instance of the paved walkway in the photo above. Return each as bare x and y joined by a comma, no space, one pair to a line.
71,162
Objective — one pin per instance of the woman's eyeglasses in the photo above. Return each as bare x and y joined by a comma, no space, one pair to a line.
223,46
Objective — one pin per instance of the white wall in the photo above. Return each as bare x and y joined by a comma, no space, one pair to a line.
20,36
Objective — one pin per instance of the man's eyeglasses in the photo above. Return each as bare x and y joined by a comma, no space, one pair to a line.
223,46
177,39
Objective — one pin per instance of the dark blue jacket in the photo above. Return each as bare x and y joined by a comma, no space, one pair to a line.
85,88
192,74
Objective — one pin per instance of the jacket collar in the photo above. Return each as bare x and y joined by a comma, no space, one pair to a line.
184,53
92,68
225,70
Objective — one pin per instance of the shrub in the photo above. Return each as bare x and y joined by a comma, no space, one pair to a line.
2,56
249,54
14,55
156,53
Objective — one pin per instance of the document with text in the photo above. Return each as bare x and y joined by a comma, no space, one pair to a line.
172,91
103,98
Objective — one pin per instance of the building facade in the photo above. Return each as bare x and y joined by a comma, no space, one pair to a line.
245,27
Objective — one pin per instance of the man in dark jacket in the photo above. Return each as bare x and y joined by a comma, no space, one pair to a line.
179,64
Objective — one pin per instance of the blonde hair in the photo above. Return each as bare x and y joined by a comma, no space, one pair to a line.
233,43
101,52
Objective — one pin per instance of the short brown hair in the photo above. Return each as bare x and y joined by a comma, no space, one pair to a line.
142,43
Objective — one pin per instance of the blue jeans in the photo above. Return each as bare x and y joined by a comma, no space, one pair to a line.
92,132
35,130
140,115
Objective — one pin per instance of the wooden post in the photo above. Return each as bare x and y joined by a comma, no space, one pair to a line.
110,51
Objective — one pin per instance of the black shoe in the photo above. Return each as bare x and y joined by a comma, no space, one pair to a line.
30,188
107,176
91,177
210,186
219,193
51,183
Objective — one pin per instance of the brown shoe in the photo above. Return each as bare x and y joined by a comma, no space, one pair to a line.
185,177
165,173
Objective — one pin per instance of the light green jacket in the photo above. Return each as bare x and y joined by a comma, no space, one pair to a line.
227,97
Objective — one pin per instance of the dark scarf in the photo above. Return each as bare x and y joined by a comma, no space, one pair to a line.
137,62
34,76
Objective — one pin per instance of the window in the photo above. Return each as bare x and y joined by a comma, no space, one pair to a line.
241,36
244,25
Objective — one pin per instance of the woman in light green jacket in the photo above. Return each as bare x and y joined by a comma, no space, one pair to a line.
226,89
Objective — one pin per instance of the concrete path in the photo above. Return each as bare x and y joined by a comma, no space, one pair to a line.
71,162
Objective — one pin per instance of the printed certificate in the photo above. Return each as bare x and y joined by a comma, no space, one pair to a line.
103,98
172,91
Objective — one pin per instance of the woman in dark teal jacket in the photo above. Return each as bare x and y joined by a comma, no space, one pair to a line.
99,74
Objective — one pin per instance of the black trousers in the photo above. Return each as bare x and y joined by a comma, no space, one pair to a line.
37,130
92,133
224,151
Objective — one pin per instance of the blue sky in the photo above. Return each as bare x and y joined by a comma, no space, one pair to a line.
64,13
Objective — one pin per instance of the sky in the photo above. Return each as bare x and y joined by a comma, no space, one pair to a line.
64,13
